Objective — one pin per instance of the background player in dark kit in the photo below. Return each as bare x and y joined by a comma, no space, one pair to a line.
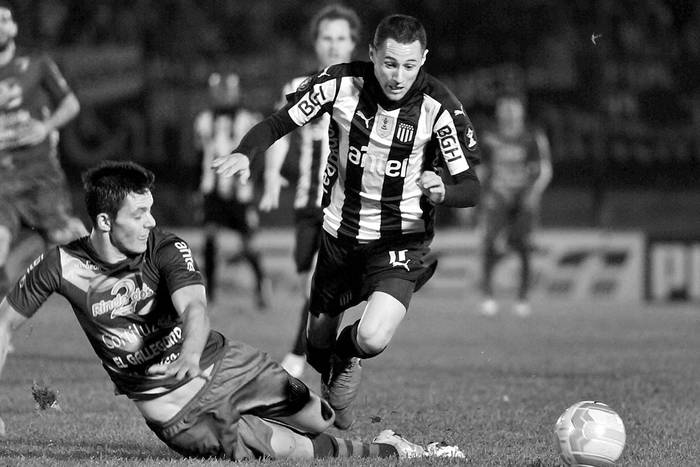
35,101
516,170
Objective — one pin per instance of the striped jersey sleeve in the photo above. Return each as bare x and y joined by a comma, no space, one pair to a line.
453,132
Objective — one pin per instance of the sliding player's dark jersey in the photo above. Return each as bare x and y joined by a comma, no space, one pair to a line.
30,85
125,309
378,148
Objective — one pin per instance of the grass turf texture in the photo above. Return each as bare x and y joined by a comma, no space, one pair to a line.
494,386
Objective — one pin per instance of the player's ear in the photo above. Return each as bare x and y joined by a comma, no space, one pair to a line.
103,222
425,55
372,53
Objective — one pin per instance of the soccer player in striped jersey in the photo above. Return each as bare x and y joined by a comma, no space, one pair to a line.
35,101
391,125
225,202
334,31
139,296
515,171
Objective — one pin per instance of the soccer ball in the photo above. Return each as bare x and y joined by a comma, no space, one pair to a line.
591,434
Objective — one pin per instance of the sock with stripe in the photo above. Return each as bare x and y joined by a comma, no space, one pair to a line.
326,445
347,346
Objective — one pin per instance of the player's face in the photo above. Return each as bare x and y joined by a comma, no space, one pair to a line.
396,66
8,28
334,43
510,112
131,227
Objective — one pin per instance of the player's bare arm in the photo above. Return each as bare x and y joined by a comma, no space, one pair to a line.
543,170
39,130
10,320
190,302
273,180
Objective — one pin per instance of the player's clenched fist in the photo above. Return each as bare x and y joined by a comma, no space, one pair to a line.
432,186
235,164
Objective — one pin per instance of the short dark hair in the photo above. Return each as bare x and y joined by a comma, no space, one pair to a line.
7,5
336,11
402,28
109,183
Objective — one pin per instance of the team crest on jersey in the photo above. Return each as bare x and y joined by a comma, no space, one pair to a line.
385,125
471,139
404,132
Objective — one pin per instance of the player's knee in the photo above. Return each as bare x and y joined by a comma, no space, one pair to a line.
372,341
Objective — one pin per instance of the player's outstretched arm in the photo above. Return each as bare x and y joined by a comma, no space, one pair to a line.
190,301
235,164
272,178
10,320
257,140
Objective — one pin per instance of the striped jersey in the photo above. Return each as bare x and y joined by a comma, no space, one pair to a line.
512,163
217,131
310,144
378,148
125,308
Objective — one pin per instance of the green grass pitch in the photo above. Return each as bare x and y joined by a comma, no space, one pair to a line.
494,386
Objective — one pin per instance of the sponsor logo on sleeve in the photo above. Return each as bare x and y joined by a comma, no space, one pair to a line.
449,145
186,253
311,102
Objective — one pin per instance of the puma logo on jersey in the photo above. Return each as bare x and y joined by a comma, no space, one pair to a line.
366,119
398,259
